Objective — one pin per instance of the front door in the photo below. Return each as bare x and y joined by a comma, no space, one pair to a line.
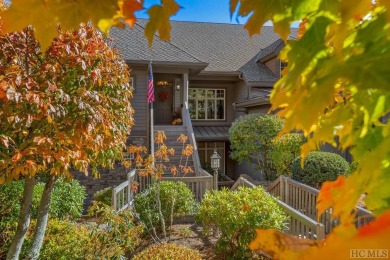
163,104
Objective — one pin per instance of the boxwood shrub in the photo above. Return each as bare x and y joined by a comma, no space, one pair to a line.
237,215
318,168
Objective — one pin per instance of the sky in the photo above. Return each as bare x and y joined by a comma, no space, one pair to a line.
216,11
199,11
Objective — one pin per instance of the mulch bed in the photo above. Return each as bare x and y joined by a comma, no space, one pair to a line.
191,236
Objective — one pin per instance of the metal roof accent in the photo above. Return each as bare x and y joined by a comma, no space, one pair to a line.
211,133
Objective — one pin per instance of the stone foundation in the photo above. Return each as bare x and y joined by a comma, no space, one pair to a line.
108,178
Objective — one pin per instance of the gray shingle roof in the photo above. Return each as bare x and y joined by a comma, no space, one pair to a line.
224,47
135,47
270,51
254,71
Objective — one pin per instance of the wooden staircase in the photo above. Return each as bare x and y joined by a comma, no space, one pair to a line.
172,132
299,203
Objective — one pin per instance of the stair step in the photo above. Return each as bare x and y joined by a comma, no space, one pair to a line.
171,128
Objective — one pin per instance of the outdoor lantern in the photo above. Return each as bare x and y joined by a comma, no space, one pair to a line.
178,85
215,160
215,165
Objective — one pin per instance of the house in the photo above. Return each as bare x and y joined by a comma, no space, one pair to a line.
215,68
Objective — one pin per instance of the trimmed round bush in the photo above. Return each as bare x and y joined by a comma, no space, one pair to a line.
237,215
168,252
251,139
318,168
171,193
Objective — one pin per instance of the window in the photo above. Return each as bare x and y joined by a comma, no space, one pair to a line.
206,104
206,149
283,65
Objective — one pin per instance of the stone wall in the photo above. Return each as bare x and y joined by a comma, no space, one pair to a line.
108,178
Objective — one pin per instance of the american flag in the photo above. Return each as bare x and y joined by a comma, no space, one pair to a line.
150,85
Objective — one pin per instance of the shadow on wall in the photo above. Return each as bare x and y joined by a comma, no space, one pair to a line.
248,169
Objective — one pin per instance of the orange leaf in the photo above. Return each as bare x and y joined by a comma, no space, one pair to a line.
342,243
302,28
128,7
273,242
327,192
381,224
16,157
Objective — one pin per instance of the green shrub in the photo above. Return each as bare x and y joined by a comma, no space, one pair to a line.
283,152
251,140
104,196
10,198
172,194
319,167
168,252
114,234
110,236
67,199
237,214
67,202
63,240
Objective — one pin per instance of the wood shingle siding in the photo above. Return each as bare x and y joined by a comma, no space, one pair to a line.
139,102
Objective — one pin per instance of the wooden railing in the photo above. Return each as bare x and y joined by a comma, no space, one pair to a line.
197,184
298,224
302,226
122,195
304,199
225,181
191,136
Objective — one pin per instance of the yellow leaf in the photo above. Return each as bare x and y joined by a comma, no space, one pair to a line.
44,15
159,20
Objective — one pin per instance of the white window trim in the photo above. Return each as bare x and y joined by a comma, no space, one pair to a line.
205,99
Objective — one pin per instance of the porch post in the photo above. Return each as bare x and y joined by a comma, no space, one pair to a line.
185,87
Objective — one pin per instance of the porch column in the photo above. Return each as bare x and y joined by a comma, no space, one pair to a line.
185,87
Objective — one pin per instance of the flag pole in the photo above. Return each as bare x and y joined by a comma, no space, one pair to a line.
151,101
151,131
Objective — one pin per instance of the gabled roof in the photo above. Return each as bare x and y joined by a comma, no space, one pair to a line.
219,47
270,51
255,73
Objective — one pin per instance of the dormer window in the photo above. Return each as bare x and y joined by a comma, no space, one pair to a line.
283,64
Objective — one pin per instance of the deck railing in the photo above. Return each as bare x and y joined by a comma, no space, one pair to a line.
304,199
191,137
298,224
197,184
123,195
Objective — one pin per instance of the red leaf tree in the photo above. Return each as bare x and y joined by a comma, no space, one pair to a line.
65,108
